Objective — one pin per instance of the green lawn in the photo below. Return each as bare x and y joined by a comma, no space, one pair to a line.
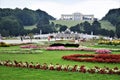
12,73
30,27
67,23
53,57
107,25
107,46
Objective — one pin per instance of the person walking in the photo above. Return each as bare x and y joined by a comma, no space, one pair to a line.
21,38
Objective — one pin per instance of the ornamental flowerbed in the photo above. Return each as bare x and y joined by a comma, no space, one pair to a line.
108,42
103,51
58,67
22,51
62,48
29,46
108,58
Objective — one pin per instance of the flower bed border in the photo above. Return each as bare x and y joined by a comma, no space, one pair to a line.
57,67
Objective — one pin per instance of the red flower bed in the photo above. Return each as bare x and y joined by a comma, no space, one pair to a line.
109,58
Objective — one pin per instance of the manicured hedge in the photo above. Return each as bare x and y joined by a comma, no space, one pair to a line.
65,45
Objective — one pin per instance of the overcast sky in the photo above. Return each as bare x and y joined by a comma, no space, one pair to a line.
57,7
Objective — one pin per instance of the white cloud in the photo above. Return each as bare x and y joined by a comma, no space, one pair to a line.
14,3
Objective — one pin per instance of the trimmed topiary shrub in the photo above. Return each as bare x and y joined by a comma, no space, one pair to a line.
57,44
71,45
65,45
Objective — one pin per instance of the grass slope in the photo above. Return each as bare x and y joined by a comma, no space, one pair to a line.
68,23
30,27
104,24
107,25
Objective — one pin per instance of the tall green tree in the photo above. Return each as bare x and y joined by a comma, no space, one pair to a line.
118,30
75,28
11,26
43,22
44,25
27,17
52,25
63,28
87,27
96,26
43,14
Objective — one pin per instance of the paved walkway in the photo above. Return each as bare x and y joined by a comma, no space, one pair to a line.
24,41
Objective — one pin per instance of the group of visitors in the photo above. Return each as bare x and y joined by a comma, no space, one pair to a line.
23,37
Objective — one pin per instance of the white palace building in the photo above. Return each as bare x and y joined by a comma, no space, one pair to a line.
76,16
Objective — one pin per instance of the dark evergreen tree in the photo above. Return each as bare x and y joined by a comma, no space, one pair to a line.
63,28
44,25
11,26
75,28
13,20
43,14
96,26
118,30
113,16
27,17
87,27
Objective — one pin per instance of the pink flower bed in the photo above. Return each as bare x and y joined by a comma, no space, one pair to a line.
62,48
103,51
108,58
29,46
58,67
56,48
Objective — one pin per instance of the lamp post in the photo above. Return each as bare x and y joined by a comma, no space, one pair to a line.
0,38
40,32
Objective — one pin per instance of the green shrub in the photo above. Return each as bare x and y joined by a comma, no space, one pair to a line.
3,44
108,42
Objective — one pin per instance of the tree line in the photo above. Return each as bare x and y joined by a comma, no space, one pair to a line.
94,28
12,21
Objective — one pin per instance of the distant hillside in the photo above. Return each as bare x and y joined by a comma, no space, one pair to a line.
113,16
104,24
